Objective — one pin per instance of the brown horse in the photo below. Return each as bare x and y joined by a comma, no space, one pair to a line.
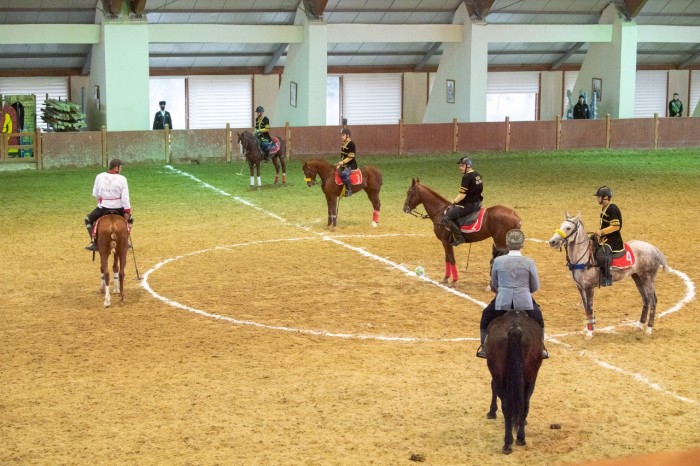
112,239
498,220
514,356
371,183
249,147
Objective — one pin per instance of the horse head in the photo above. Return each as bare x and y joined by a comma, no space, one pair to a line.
566,231
413,197
310,173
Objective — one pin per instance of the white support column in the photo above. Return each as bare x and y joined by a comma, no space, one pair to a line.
466,64
616,64
307,67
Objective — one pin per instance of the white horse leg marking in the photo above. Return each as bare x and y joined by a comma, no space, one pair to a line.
102,283
116,283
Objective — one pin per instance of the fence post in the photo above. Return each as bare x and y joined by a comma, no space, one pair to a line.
401,129
507,133
167,143
558,130
607,131
104,146
455,134
228,142
288,139
37,148
656,130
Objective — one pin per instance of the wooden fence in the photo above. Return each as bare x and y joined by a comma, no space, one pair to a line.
95,148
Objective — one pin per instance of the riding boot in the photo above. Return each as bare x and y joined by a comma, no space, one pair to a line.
605,275
545,353
348,189
92,246
457,236
266,155
481,352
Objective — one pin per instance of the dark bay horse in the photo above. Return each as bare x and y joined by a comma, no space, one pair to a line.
572,235
249,147
371,183
498,220
112,239
514,356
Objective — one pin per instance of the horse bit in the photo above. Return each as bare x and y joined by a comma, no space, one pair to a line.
565,243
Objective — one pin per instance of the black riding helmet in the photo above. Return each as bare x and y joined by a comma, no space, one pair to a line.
346,131
465,160
604,191
259,109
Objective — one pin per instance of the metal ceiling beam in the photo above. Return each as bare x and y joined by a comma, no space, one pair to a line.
634,7
85,71
572,50
314,8
275,58
478,9
690,60
433,49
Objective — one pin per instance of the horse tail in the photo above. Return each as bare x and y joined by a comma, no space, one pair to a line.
515,376
662,260
112,239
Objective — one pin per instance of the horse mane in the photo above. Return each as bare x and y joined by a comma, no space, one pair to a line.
435,193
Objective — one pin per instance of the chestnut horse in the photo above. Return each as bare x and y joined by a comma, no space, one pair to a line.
371,183
498,220
514,356
112,239
572,236
249,147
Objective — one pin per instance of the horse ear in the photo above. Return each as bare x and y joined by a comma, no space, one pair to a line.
417,180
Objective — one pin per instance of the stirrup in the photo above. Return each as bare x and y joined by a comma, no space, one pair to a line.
91,247
481,353
348,192
545,353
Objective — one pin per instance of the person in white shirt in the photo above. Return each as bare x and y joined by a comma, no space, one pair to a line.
112,193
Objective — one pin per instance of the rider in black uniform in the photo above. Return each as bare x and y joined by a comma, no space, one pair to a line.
468,200
262,132
608,233
347,160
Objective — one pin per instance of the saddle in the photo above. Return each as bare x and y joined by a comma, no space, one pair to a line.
355,177
472,223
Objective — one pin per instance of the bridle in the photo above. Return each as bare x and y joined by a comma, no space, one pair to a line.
577,264
415,213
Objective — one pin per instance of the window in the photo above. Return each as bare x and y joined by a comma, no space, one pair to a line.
172,90
512,94
55,87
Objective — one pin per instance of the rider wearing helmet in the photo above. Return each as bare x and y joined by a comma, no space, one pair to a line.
608,233
347,160
262,132
468,199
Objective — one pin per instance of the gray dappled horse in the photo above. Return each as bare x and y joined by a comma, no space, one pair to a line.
572,235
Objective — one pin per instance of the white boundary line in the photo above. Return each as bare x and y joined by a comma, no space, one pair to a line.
689,296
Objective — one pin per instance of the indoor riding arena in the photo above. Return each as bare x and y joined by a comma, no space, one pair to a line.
251,334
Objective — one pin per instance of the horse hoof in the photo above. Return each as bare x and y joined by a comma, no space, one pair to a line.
445,281
507,449
453,284
520,443
648,331
589,334
490,415
374,224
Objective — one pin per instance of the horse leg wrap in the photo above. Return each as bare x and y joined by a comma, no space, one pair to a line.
448,270
455,273
590,322
375,216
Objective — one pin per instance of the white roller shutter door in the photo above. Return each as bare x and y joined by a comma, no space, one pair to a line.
650,94
513,95
372,98
694,92
55,87
517,82
217,100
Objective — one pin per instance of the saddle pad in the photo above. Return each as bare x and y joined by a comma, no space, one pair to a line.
624,261
274,148
476,226
355,177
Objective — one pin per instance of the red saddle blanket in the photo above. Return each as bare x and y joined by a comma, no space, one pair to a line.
624,261
476,225
94,227
276,146
355,177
